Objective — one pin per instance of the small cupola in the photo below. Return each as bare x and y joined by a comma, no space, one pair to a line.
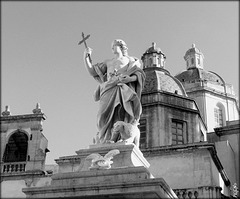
194,58
153,57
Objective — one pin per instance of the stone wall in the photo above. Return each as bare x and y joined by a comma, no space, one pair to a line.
183,168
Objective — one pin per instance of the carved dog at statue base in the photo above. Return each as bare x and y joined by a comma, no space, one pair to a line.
129,133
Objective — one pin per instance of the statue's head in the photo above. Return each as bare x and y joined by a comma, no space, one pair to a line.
121,44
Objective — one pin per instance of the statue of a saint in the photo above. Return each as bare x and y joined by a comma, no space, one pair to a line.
121,80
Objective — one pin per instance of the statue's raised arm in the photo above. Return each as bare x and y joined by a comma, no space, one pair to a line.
88,64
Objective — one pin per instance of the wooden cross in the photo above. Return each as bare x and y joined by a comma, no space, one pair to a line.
84,41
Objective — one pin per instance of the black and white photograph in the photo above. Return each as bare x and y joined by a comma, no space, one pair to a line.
120,99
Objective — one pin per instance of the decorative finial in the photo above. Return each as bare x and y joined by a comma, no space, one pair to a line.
154,45
6,112
193,45
37,110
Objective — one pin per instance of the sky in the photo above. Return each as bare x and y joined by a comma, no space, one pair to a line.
41,61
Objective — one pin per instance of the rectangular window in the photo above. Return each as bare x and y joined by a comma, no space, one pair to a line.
143,133
192,61
179,135
218,115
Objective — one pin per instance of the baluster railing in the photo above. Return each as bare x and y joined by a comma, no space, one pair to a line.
199,192
13,167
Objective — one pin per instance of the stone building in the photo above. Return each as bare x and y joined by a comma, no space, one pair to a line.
179,137
219,107
189,143
226,141
23,152
215,98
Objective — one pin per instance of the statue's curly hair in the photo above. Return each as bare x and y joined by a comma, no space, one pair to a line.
122,44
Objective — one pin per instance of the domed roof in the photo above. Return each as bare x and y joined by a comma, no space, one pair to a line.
160,79
193,50
154,49
193,74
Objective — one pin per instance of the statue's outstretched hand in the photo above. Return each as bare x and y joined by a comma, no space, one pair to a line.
87,52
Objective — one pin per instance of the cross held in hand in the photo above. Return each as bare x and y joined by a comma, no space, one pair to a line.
84,41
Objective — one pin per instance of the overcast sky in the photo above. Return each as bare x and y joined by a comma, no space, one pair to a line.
42,62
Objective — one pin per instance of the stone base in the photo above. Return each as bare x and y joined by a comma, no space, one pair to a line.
129,182
108,176
127,178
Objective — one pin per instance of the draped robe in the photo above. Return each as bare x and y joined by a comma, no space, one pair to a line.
117,101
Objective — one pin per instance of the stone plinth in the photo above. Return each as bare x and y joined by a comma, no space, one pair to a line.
129,182
101,176
127,178
129,156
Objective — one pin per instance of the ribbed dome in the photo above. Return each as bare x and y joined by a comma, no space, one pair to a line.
193,50
153,57
194,74
154,49
159,79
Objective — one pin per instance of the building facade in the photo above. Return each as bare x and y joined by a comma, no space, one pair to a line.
216,98
23,152
179,114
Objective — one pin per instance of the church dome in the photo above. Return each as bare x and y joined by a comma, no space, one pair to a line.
197,74
153,57
159,79
154,49
192,50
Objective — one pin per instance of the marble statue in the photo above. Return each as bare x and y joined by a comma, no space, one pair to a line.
100,162
121,80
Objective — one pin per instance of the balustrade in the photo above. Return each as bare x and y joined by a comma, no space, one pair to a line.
200,192
15,167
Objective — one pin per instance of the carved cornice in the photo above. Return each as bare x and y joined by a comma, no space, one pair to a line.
168,99
211,91
227,130
24,118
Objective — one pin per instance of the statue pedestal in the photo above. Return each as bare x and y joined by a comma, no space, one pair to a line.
128,177
129,156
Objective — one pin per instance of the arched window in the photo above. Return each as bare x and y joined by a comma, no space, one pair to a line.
150,62
16,148
219,115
